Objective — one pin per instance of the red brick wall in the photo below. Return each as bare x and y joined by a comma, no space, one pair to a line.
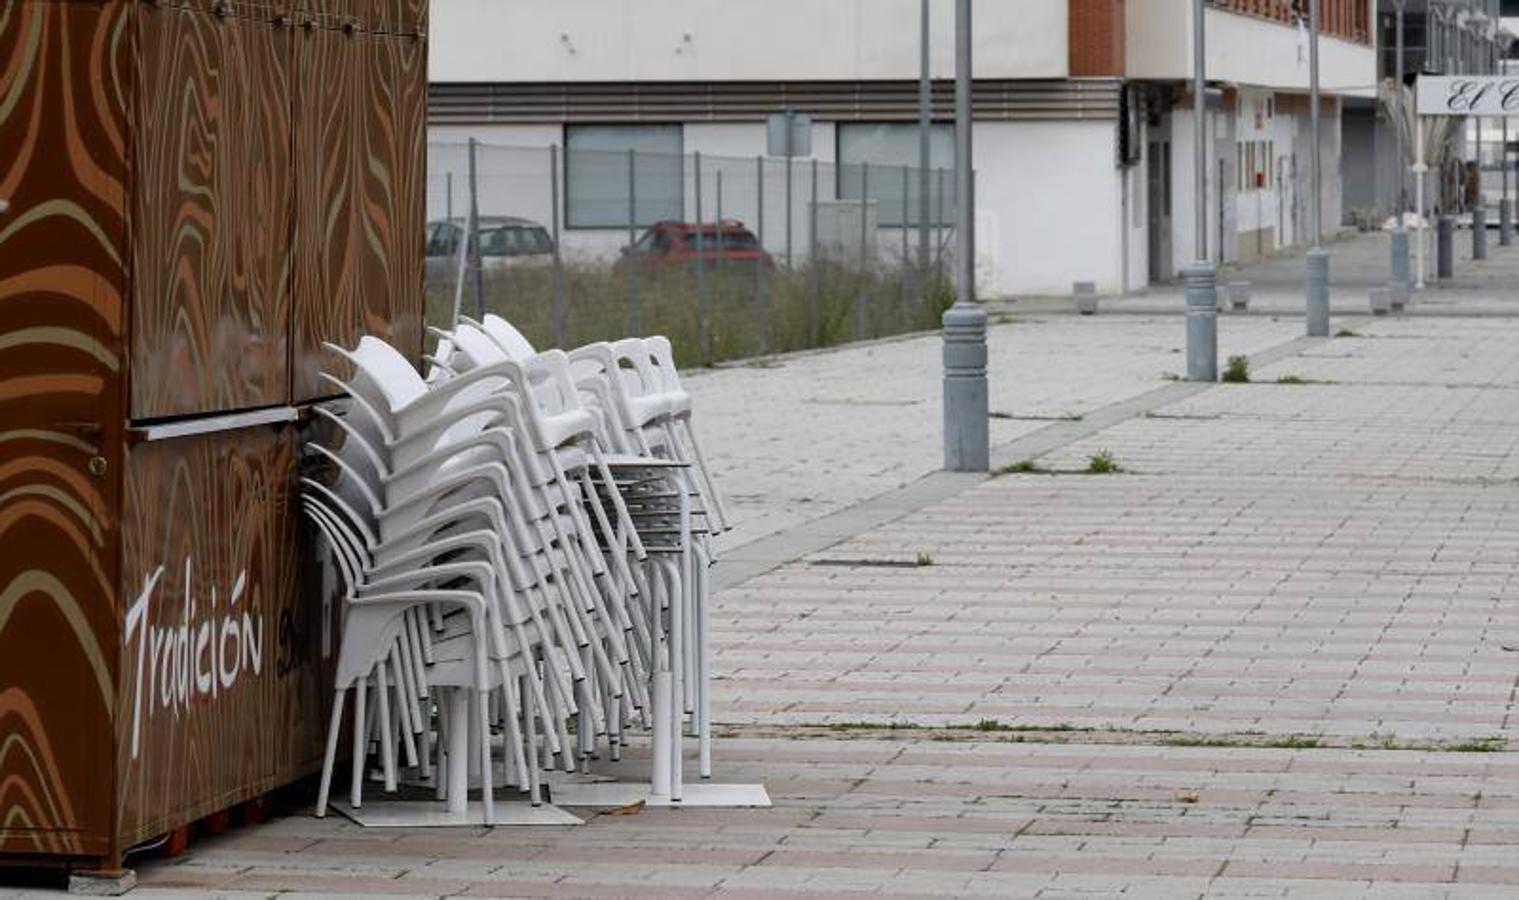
1096,39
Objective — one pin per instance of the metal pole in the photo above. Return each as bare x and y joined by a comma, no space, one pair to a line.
717,216
474,233
1400,116
863,298
1200,278
1420,170
1318,259
704,339
632,261
1505,211
938,228
925,145
813,262
967,442
788,192
448,202
902,299
558,279
759,266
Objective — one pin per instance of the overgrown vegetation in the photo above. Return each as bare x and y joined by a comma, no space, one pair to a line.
1238,370
728,312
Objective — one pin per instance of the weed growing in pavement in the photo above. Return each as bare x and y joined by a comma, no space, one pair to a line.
1346,333
1169,376
923,560
1023,467
1103,463
1479,745
1237,371
1290,379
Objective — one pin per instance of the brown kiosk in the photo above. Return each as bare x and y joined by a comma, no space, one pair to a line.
194,195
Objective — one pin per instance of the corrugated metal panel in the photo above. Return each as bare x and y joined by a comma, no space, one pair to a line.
475,103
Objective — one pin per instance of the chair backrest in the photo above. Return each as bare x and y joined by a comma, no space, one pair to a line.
662,356
382,370
506,335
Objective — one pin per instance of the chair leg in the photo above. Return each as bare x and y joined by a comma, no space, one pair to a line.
487,789
330,758
387,746
360,740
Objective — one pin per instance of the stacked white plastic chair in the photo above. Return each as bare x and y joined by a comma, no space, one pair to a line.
523,543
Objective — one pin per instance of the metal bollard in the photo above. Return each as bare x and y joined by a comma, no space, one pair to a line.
1381,301
1505,222
967,446
1400,256
1239,295
1479,232
1085,293
1318,292
1445,247
1202,322
1397,295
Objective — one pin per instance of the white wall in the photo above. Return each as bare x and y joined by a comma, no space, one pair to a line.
1241,49
639,40
1051,194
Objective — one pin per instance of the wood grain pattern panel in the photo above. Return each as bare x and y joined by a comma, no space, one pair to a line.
64,96
360,154
212,231
225,650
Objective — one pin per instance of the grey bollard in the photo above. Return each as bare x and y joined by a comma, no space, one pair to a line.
1085,293
1318,292
1479,232
1239,295
1400,256
967,436
1505,222
1445,247
1397,295
1202,322
1381,301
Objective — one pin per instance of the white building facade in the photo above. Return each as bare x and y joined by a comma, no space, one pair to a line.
1083,147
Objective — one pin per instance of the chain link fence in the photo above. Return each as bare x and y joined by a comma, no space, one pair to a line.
729,257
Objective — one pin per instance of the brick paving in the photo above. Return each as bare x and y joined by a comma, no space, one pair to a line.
1274,658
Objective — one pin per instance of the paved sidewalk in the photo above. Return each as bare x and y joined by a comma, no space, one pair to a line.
1276,656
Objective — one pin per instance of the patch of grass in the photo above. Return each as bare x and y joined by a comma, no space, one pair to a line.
1103,463
1169,376
1237,371
1288,742
871,726
922,560
1346,333
1023,467
1478,745
1290,379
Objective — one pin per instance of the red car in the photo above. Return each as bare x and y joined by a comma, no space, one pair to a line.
709,244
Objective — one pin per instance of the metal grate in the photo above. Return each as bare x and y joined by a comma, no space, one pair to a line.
873,101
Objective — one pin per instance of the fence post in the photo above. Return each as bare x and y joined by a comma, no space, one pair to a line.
474,233
788,202
558,279
631,260
759,264
938,229
813,262
703,327
905,294
864,297
717,216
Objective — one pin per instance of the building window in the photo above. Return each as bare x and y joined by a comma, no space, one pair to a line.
887,148
597,192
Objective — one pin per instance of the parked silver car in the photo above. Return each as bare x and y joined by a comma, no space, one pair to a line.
505,242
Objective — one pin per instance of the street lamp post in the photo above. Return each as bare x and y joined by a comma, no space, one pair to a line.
967,446
1505,209
1399,230
1200,278
1318,258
